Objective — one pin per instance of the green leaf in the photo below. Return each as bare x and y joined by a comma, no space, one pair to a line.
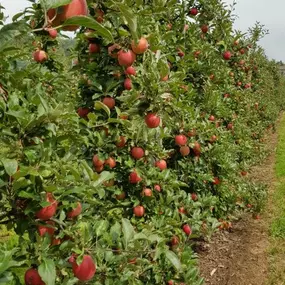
10,165
90,23
47,4
47,271
172,257
104,176
131,19
128,231
99,105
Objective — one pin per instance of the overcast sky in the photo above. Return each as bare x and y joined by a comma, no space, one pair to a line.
268,13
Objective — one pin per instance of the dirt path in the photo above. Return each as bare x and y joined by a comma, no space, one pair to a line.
240,257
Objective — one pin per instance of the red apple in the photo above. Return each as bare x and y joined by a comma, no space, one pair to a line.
180,140
94,48
134,178
157,188
97,162
83,112
130,70
161,164
184,150
227,55
40,56
174,240
52,33
194,196
109,102
128,84
152,120
121,196
193,11
140,47
49,211
121,142
137,152
75,212
111,162
187,229
32,277
204,29
147,192
139,211
212,118
85,270
126,57
48,229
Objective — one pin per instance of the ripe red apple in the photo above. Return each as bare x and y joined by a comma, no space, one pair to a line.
243,173
128,84
157,188
187,229
147,192
75,212
111,162
161,164
197,53
56,241
182,210
75,8
212,118
134,178
109,102
99,15
152,120
180,140
97,162
213,138
192,133
130,70
204,29
85,270
137,152
48,229
226,95
247,85
138,211
49,211
242,51
165,78
32,277
180,53
126,57
174,240
230,126
184,150
121,142
216,181
83,112
194,196
52,33
169,26
99,169
40,56
94,48
140,47
121,196
170,282
227,55
193,11
197,148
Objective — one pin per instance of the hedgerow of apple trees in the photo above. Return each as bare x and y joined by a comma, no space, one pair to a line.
111,168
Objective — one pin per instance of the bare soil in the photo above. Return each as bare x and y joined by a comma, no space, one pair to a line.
240,257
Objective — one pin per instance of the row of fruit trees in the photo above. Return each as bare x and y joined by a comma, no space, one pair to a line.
121,148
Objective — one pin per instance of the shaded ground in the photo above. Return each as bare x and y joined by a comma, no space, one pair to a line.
241,257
